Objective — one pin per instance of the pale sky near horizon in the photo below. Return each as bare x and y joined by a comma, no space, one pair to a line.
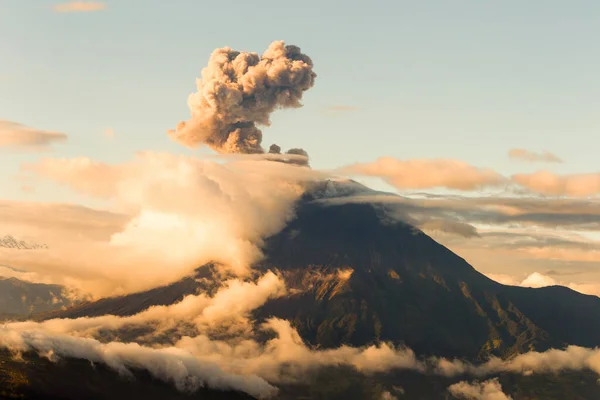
465,80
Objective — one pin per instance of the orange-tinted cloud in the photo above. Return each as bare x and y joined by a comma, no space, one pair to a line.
80,6
548,183
18,136
530,156
200,210
427,173
339,109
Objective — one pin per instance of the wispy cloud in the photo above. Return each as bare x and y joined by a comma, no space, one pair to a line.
15,135
339,109
548,183
530,156
80,6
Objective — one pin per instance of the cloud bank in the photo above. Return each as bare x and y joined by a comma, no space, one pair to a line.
178,211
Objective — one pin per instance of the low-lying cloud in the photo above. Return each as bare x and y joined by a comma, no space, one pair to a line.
488,390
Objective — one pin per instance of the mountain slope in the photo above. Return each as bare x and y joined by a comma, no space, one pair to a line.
358,277
20,298
405,287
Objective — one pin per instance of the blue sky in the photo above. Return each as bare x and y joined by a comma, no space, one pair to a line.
455,79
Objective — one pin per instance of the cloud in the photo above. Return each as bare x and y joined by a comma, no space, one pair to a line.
168,364
534,212
526,155
387,396
109,133
538,280
424,173
548,183
572,358
239,91
223,309
340,109
515,235
244,363
239,362
27,189
451,227
46,221
17,136
80,6
488,390
200,210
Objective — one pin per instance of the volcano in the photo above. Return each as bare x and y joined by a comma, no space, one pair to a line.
358,276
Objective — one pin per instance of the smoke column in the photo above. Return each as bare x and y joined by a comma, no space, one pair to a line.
239,91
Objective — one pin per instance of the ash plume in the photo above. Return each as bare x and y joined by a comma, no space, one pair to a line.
240,90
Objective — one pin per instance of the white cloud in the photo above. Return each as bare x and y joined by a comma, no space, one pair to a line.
538,280
200,210
488,390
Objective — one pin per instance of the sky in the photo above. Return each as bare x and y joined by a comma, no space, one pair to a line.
457,80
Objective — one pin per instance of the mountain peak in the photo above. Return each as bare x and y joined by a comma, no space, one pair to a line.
10,242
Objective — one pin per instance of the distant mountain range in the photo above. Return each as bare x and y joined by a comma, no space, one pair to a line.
10,242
